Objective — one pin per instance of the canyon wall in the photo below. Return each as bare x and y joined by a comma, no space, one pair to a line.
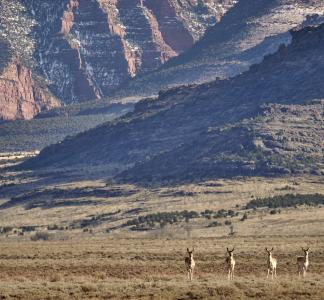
87,48
22,97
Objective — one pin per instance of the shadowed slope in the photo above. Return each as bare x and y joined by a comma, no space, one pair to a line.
180,116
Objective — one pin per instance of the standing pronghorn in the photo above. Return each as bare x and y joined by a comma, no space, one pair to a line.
303,262
190,263
272,264
230,263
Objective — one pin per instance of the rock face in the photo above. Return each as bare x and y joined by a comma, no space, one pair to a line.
23,94
87,48
21,97
220,128
249,31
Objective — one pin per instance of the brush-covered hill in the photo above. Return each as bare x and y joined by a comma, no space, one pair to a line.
246,33
209,114
280,140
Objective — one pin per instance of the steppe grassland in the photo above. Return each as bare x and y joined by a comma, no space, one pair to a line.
213,195
105,268
123,264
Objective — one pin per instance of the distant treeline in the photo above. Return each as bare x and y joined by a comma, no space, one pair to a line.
288,200
163,218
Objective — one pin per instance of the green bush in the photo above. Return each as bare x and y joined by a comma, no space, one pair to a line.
214,224
228,223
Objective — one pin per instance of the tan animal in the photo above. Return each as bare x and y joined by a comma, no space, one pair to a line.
271,263
303,262
230,263
190,263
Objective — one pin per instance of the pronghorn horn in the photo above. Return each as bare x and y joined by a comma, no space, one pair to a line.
188,250
271,249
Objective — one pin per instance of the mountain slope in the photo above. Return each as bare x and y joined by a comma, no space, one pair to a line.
246,33
180,116
87,48
282,139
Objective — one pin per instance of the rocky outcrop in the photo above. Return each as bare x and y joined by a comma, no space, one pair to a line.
21,97
203,123
88,48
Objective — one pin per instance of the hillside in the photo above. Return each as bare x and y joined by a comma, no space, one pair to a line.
280,140
246,33
84,49
52,126
182,116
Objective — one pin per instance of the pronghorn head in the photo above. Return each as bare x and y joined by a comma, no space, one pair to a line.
230,252
190,253
305,251
269,251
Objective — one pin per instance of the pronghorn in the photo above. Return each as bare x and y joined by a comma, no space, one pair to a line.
230,263
190,263
303,262
272,264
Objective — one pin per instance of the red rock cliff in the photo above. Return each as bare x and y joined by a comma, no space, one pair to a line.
20,96
88,48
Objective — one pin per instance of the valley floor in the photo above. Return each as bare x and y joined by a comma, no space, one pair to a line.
105,268
78,236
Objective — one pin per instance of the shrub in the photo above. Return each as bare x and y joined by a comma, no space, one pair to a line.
27,228
228,222
40,236
214,224
5,230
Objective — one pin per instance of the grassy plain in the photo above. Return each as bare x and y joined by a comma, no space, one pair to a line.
90,254
105,268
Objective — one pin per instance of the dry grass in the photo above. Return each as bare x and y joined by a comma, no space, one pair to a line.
101,268
123,264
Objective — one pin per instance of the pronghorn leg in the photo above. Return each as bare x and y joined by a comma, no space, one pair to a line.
192,274
272,273
229,274
275,271
233,274
268,273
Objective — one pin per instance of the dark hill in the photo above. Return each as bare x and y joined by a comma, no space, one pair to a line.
182,117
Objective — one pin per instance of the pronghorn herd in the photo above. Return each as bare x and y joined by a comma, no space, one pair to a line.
302,263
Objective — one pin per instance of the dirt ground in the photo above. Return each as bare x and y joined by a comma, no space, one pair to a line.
104,268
